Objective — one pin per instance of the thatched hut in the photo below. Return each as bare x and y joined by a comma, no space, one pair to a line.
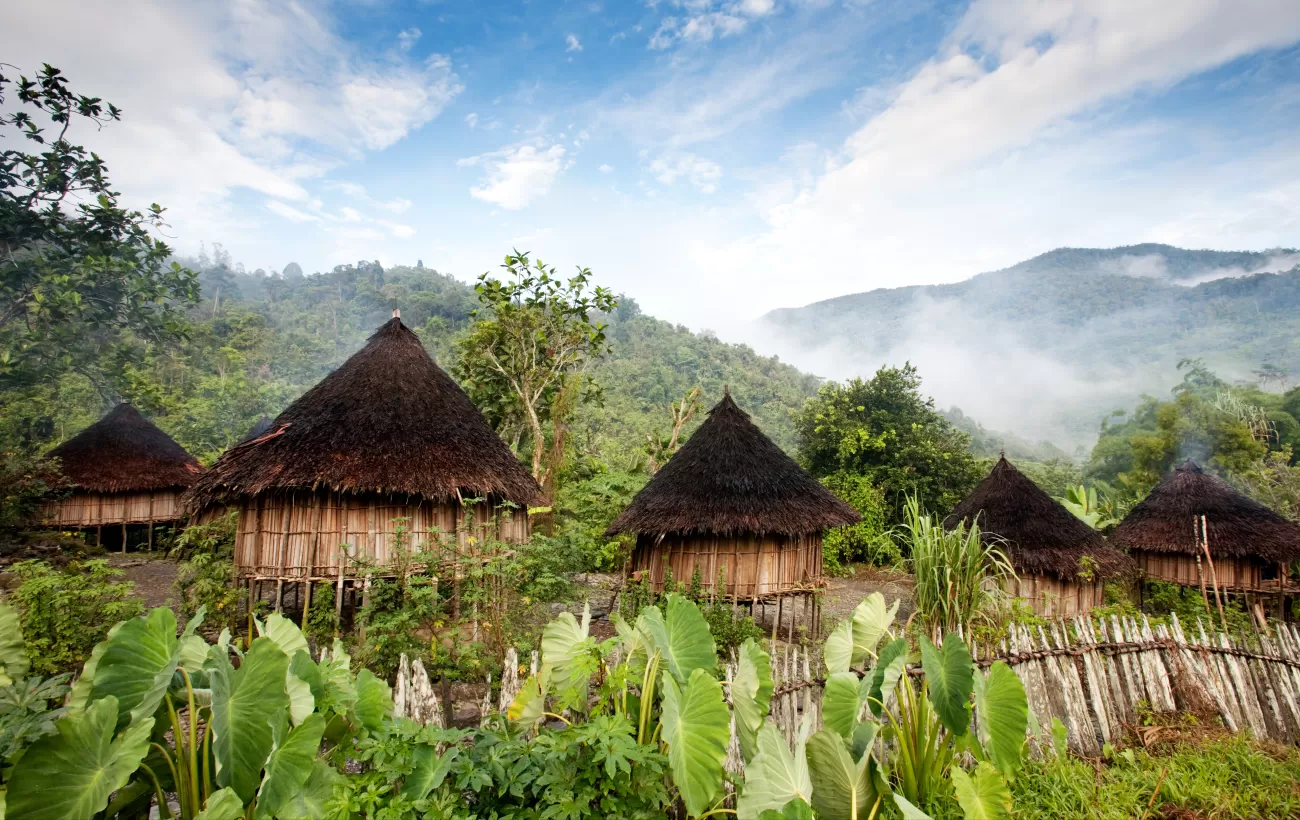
1247,541
386,444
123,471
1062,564
731,503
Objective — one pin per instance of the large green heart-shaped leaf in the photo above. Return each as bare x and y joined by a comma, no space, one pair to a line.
837,652
773,778
842,789
530,702
796,809
285,633
907,810
290,765
1003,713
950,674
856,637
13,653
137,665
566,650
984,796
244,703
697,728
751,694
842,702
374,700
682,637
891,665
223,804
312,801
428,770
70,775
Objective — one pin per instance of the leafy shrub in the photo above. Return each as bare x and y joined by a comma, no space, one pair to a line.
24,484
206,579
869,541
66,611
28,713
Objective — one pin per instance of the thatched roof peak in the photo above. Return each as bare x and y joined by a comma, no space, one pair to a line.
388,420
125,452
729,478
1033,529
1238,526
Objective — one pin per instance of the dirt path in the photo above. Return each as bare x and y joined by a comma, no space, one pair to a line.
153,577
843,594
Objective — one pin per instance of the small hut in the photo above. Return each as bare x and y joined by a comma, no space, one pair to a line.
1247,542
731,503
386,444
123,472
1061,563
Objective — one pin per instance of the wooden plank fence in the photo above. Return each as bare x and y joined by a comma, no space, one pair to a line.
1096,675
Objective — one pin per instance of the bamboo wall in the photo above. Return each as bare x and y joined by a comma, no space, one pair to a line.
1052,597
81,510
320,535
755,566
1234,574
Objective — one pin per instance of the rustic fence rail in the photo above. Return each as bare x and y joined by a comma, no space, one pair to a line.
1097,675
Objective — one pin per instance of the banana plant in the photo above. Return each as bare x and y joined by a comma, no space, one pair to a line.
154,713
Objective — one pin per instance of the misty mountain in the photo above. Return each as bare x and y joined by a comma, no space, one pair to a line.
1046,347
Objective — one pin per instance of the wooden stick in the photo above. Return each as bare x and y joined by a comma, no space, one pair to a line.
1214,578
1200,573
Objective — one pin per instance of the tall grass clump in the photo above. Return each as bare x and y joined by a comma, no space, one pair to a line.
958,576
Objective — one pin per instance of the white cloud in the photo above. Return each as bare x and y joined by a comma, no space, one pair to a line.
471,119
407,38
572,43
703,173
289,212
398,230
396,206
606,168
517,175
704,20
385,108
349,214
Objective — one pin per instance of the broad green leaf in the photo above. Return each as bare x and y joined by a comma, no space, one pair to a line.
530,703
891,665
949,673
864,734
907,810
682,637
842,789
796,809
751,694
374,700
222,804
285,633
428,770
70,775
244,702
193,652
565,650
138,664
79,697
302,667
842,702
311,802
290,765
871,620
984,796
636,645
1003,717
13,654
697,728
837,652
773,778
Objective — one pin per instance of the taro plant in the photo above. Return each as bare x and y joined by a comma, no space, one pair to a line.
156,714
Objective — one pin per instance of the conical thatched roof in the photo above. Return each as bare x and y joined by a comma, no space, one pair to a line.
125,452
730,478
389,420
1238,526
1037,534
260,428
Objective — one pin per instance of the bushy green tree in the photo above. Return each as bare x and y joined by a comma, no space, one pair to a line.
883,429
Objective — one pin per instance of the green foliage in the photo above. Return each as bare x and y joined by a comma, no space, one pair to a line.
205,579
66,611
884,430
1232,778
869,541
24,483
78,274
1084,504
953,570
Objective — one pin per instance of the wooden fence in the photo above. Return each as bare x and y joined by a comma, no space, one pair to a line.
1096,675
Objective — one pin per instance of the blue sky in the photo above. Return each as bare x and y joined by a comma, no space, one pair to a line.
713,159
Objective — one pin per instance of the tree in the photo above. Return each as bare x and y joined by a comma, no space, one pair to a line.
885,430
77,272
660,448
525,361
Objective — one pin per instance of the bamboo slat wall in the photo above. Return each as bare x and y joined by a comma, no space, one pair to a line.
1234,574
98,509
754,566
315,535
1053,598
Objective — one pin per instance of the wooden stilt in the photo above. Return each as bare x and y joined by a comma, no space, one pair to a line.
99,535
150,536
124,538
338,601
279,595
306,602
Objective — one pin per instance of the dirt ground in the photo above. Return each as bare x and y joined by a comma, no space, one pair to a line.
153,577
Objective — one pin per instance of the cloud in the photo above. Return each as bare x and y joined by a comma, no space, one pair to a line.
471,119
517,175
407,38
386,107
704,174
398,230
396,206
704,20
571,43
606,168
289,212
